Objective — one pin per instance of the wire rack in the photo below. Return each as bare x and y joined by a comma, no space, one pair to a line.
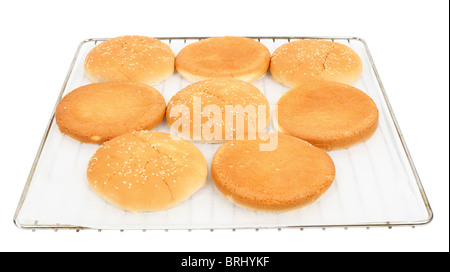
376,184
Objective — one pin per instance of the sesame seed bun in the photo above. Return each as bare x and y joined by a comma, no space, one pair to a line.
237,57
293,175
147,171
329,115
221,94
98,112
302,60
130,58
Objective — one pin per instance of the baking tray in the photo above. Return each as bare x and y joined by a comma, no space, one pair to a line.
376,182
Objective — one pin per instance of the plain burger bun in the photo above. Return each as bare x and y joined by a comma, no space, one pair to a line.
237,57
130,58
301,60
98,112
147,171
293,175
329,115
209,111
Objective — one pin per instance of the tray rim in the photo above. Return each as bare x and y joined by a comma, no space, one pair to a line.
56,227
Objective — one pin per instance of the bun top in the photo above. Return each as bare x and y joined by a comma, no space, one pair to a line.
302,60
237,57
130,58
213,102
147,171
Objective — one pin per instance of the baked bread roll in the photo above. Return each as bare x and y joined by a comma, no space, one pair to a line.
130,58
237,57
147,171
98,112
329,115
301,60
216,110
293,175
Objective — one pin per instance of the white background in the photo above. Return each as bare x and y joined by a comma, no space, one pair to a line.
409,41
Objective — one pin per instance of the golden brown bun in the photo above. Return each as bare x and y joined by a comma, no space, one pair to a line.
329,115
98,112
130,58
236,57
147,171
295,174
302,60
223,93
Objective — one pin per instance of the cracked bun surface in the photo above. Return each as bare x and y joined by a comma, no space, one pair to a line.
130,58
293,175
301,60
329,115
98,112
209,110
147,171
237,57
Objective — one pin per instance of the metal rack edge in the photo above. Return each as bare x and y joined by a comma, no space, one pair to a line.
46,133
